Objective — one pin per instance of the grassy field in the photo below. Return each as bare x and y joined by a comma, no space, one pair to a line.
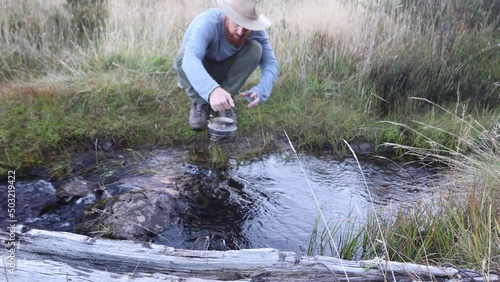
73,73
416,74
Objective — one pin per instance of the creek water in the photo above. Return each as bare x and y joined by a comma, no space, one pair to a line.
273,202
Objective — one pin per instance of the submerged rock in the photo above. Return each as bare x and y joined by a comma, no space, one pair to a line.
74,189
212,242
140,215
137,215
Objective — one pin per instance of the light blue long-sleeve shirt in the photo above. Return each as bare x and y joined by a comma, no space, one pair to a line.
205,37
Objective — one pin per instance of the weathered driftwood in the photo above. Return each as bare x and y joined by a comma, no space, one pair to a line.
61,256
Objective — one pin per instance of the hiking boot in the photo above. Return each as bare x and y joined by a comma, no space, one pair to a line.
198,116
229,114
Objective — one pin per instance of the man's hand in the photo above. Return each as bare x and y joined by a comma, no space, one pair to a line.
220,100
254,97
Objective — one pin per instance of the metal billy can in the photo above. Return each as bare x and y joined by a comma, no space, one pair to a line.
222,129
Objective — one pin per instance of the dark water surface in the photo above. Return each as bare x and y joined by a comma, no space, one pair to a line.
273,202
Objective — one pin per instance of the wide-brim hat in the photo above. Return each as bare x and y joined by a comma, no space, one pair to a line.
245,13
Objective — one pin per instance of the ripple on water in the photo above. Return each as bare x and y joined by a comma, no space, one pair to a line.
273,202
277,203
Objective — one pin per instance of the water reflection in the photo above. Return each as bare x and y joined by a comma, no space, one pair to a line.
268,203
274,204
214,205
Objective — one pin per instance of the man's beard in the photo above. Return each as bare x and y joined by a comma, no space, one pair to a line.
235,39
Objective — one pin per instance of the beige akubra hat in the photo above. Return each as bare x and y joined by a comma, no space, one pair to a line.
245,13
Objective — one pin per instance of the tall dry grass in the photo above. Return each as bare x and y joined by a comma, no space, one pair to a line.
304,33
138,28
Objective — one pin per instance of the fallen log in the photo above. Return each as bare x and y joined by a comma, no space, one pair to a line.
42,255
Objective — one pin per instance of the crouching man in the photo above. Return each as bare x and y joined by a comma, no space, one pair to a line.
220,50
